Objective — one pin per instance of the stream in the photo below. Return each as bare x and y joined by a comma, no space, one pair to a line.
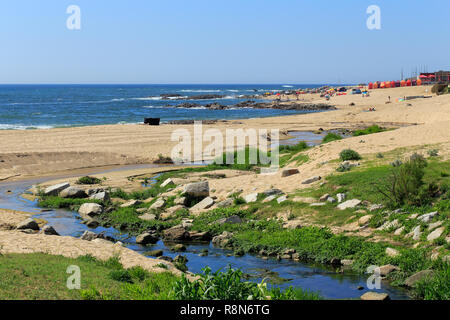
284,273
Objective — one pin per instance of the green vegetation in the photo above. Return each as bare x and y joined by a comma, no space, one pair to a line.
40,276
349,154
369,130
437,287
63,203
89,180
228,285
331,137
233,160
289,154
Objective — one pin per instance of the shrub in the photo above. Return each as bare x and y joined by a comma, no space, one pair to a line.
89,180
121,276
380,155
349,154
439,88
301,146
433,153
331,137
405,184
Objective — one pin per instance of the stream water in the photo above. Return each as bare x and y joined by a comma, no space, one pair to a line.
319,278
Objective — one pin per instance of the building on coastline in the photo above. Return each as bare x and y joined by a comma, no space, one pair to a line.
442,76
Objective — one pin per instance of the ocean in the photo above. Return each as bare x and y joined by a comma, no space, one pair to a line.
25,107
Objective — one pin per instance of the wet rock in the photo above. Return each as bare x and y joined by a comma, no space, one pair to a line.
375,296
164,258
147,238
92,224
197,190
336,262
200,236
29,224
56,189
311,180
177,233
155,253
178,248
73,193
223,239
412,280
289,172
349,204
90,210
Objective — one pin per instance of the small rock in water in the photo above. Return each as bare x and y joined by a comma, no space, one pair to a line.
375,296
147,238
155,253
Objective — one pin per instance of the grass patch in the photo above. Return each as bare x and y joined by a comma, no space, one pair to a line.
369,130
63,203
349,154
331,137
88,180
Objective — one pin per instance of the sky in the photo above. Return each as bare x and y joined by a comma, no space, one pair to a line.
221,41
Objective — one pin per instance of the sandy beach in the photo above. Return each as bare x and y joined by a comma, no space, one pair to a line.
421,121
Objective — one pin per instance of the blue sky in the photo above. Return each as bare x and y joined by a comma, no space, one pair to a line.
220,41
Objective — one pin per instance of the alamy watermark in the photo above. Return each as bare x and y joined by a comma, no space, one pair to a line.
241,146
73,22
74,280
374,281
374,20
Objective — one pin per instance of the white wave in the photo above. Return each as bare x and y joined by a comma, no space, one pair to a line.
22,127
148,98
286,86
200,90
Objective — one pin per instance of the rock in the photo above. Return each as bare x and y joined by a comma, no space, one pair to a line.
349,204
341,197
390,225
331,200
93,191
200,236
155,253
176,233
182,201
206,203
231,220
269,198
253,197
56,189
92,224
28,224
324,197
375,296
364,220
273,192
49,231
399,231
168,182
311,180
73,193
435,225
158,204
335,262
226,203
415,233
131,203
375,207
222,239
390,252
447,239
197,190
318,204
428,217
436,234
289,172
147,238
148,217
88,236
141,210
412,280
178,248
102,196
347,262
90,210
180,259
282,199
187,223
386,269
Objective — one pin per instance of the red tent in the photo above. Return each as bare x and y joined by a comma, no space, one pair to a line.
408,83
370,85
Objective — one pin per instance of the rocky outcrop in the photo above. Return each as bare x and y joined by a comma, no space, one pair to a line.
412,280
197,189
101,196
90,210
177,233
73,193
28,224
206,203
147,238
